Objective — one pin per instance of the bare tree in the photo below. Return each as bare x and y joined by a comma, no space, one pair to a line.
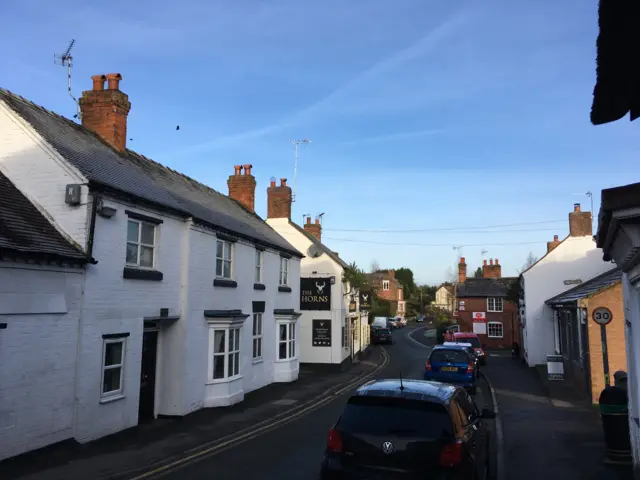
531,260
375,266
451,276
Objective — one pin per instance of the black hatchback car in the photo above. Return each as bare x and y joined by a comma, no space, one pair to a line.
408,429
381,335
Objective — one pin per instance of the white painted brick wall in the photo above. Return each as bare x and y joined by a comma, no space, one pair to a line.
117,305
38,358
324,266
41,175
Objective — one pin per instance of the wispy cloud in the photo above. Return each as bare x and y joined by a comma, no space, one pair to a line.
346,94
392,137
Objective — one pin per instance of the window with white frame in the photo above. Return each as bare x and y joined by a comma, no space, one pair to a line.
385,285
286,341
140,243
223,259
258,268
494,304
226,353
284,271
257,336
113,351
495,330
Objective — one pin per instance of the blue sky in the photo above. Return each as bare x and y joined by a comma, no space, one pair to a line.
454,118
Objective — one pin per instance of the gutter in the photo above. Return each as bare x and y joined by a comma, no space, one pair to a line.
92,230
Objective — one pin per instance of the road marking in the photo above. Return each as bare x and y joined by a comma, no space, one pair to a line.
408,335
223,444
499,435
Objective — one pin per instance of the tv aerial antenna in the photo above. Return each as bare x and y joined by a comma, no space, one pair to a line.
319,217
484,252
66,60
458,248
297,143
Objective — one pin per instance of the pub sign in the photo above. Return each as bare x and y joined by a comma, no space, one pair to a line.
315,294
365,300
321,333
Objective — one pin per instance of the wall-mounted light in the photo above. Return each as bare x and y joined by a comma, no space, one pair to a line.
333,280
104,211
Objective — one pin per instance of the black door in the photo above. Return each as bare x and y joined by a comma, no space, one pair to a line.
148,376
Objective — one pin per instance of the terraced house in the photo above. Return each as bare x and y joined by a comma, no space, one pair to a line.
192,303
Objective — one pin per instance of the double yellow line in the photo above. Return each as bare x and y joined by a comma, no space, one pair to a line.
236,439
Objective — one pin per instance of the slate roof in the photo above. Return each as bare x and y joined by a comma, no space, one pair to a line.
24,230
334,256
587,288
133,174
485,287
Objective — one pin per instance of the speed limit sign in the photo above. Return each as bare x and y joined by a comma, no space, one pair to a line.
602,316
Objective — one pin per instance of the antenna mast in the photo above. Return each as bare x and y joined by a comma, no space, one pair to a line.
590,195
297,143
66,60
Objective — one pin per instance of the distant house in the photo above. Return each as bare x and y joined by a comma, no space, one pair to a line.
445,298
483,307
194,300
332,330
389,288
567,263
580,339
41,283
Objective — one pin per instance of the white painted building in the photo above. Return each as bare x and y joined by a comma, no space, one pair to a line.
332,331
572,261
619,237
41,279
194,300
445,298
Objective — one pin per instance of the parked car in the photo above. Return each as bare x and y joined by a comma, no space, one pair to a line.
408,429
403,321
474,340
452,364
391,323
470,350
420,319
381,335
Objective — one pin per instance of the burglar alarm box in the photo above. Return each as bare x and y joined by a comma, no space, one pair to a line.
72,194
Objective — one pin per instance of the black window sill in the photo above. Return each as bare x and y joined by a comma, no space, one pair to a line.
221,282
141,274
259,286
282,288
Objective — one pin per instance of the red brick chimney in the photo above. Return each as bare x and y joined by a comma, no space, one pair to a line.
279,199
314,229
462,270
242,188
105,111
554,244
491,270
580,224
392,274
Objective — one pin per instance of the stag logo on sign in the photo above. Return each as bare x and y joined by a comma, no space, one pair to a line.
315,294
365,301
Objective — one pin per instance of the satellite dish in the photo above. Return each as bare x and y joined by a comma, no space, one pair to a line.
314,251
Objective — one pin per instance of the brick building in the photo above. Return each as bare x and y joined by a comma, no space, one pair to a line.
578,336
389,288
483,307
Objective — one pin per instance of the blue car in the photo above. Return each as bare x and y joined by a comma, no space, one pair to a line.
452,364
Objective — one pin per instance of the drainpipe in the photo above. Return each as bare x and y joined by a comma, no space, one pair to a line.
92,224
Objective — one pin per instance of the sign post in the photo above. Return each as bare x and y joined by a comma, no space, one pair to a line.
479,323
603,316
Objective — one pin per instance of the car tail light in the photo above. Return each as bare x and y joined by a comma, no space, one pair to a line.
470,368
451,454
334,442
427,366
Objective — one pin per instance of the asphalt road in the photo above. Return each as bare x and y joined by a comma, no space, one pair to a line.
294,451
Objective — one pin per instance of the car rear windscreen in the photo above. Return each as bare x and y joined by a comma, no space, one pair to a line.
449,356
382,416
474,341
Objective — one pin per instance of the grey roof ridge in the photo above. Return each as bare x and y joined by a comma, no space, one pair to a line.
85,130
588,283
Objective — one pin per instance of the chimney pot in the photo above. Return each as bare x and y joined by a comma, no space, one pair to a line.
313,229
113,81
462,260
283,182
491,261
555,238
98,82
497,262
272,182
576,207
247,169
317,221
484,262
308,220
238,169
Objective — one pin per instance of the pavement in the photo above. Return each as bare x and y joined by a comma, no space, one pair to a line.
263,438
545,436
